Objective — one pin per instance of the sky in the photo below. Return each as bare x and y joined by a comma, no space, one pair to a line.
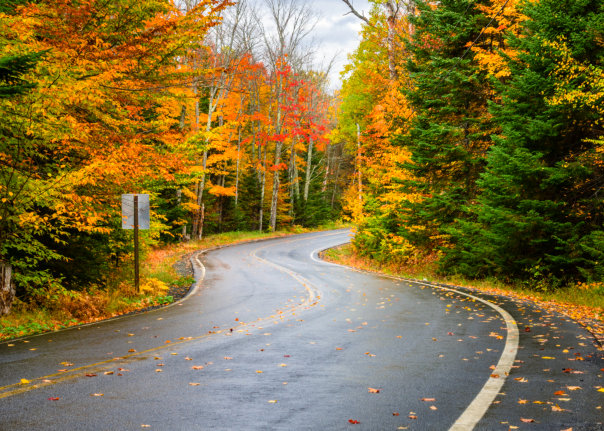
337,32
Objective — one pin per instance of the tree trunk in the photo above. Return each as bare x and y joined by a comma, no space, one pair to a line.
7,288
262,191
392,17
275,195
238,164
308,169
360,179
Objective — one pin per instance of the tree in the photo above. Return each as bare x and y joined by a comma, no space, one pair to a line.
99,121
539,214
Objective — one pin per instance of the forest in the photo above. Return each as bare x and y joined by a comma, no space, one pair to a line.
466,133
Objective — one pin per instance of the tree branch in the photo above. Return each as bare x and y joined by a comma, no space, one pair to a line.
357,14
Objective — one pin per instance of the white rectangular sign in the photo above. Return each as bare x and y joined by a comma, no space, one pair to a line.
144,217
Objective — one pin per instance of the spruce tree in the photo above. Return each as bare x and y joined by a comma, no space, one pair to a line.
539,216
450,131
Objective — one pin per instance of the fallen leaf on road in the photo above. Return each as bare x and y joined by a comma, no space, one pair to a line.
521,401
428,400
433,408
374,391
108,373
54,399
396,414
227,358
24,381
353,421
96,395
527,420
547,357
90,375
412,417
131,350
521,379
188,359
272,401
558,393
259,371
145,426
557,408
194,384
197,367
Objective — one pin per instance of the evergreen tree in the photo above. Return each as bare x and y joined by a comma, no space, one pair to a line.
539,216
449,135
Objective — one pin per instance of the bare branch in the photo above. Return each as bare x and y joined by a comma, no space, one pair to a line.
357,14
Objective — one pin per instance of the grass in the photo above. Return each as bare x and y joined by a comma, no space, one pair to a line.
582,302
62,309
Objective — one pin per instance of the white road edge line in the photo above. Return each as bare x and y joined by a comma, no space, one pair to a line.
484,399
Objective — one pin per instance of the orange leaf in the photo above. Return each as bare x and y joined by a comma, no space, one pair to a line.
527,420
353,421
429,400
374,391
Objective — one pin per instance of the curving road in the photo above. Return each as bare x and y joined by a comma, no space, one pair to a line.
272,338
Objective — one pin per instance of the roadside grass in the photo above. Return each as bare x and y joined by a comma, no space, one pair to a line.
62,309
581,302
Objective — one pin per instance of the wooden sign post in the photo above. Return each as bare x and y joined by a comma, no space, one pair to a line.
136,215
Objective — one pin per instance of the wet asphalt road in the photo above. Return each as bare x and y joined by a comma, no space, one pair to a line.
274,339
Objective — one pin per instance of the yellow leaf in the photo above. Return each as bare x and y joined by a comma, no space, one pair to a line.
24,381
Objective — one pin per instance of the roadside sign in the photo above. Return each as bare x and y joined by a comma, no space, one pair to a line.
144,218
135,215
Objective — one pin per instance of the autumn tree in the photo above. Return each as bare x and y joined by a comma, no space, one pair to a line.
98,122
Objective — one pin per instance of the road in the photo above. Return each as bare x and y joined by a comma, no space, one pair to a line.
272,338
